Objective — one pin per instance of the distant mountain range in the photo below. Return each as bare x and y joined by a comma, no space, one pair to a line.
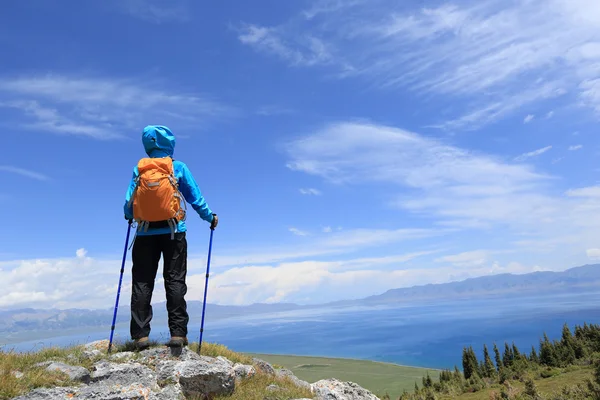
585,278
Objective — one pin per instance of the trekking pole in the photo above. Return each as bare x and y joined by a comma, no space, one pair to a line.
205,289
112,328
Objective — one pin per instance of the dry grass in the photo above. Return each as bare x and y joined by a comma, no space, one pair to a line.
255,388
216,350
12,364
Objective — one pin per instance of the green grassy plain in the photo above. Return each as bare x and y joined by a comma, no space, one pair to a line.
545,386
377,377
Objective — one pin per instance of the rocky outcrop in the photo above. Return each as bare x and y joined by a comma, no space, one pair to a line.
74,373
287,374
154,374
264,366
333,389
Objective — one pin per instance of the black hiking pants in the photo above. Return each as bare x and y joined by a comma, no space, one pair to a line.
146,254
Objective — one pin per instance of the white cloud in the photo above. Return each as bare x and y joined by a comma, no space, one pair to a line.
528,118
449,186
297,232
434,177
593,254
534,153
305,51
575,147
550,114
496,56
338,242
466,259
100,108
327,229
92,283
311,191
81,253
589,192
24,172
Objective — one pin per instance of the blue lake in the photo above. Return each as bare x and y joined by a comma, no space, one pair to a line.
426,334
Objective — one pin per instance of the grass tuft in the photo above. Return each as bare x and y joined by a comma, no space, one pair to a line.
255,388
216,350
12,364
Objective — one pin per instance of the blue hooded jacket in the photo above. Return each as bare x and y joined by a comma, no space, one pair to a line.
159,142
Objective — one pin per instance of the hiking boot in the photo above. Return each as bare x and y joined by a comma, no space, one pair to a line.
178,341
142,343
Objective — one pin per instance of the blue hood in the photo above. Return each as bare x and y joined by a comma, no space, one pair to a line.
158,141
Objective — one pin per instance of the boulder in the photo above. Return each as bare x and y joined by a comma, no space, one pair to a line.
243,371
110,391
333,389
207,376
125,375
74,373
286,373
263,366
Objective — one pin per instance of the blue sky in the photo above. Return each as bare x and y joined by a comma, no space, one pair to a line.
348,147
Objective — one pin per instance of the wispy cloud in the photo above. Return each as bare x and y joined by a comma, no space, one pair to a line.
550,114
575,147
593,254
297,232
156,11
303,51
461,187
311,191
533,153
329,242
24,172
100,108
528,118
495,56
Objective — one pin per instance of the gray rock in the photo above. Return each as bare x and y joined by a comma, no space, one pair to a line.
43,364
333,389
171,392
272,388
286,373
124,374
91,354
74,373
107,391
124,356
209,376
17,374
243,371
264,366
100,345
58,393
155,355
225,360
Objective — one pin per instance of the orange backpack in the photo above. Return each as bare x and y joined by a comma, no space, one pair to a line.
156,198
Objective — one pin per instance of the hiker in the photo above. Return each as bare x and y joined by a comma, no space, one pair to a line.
154,201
